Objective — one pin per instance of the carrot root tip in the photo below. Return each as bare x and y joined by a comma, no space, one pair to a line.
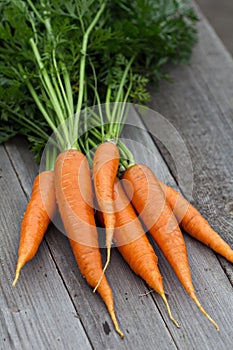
17,273
117,328
200,307
169,310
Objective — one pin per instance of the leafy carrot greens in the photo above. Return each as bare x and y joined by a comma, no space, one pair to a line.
57,57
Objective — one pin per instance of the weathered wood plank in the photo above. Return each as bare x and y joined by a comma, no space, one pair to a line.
37,313
138,317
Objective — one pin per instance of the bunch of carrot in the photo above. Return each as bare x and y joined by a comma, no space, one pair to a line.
154,202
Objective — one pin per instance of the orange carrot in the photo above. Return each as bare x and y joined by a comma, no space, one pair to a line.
38,214
149,201
105,167
75,201
135,247
195,224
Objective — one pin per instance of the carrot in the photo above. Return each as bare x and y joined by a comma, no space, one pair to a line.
195,224
148,199
75,201
105,167
38,214
134,245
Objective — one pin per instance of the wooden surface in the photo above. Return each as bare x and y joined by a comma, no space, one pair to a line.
219,14
52,307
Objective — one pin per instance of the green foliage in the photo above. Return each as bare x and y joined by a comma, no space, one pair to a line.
7,132
154,32
157,30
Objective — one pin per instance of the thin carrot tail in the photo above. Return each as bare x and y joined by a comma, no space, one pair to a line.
115,323
169,310
17,273
162,294
104,269
200,307
106,293
160,290
109,237
110,306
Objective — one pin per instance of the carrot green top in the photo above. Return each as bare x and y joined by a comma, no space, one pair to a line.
57,57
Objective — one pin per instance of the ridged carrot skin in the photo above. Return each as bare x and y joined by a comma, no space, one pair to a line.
194,223
149,201
134,245
39,212
75,201
105,168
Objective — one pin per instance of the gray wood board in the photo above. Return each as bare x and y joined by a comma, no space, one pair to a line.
37,313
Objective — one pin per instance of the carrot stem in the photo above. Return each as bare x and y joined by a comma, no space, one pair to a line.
82,67
50,90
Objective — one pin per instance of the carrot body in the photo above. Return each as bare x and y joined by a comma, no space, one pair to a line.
195,224
134,245
105,167
149,201
39,212
75,197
